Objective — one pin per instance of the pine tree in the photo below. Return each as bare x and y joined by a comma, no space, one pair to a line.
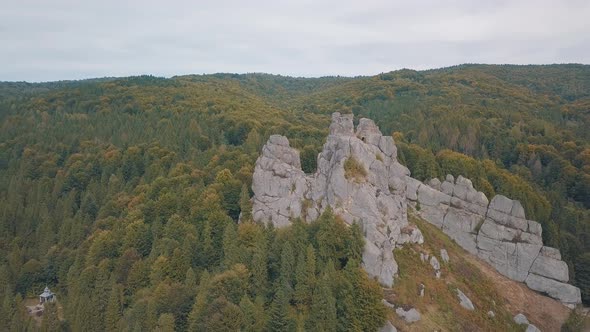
231,251
245,205
278,319
254,318
305,277
356,243
165,323
190,281
322,315
179,264
224,316
19,320
206,245
86,308
102,287
6,307
114,309
287,269
259,269
138,277
196,319
50,321
366,313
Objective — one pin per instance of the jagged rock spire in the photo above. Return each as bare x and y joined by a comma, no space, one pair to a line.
377,201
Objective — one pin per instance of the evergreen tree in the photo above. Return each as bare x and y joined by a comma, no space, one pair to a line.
165,323
287,269
196,316
254,318
355,243
224,316
322,315
366,312
138,277
259,268
190,280
231,251
583,275
19,320
245,205
179,264
6,307
100,298
279,319
206,245
305,277
50,321
114,309
86,310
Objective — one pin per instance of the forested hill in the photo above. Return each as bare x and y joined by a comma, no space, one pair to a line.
127,190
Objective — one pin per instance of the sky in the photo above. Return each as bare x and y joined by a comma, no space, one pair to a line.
61,40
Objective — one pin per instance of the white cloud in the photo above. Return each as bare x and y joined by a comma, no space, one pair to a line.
60,39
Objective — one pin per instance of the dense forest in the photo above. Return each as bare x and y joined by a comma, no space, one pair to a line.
123,194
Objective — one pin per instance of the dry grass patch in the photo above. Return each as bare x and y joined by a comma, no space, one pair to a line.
354,170
439,307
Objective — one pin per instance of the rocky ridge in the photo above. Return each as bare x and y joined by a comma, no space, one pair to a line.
497,231
378,199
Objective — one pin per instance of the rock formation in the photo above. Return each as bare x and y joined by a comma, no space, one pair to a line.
464,301
496,231
377,196
376,199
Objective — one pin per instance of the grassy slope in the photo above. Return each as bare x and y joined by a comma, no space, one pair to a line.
486,288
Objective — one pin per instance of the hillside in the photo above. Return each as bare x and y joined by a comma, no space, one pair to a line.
488,291
125,188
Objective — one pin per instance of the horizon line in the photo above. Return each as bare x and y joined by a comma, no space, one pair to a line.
291,76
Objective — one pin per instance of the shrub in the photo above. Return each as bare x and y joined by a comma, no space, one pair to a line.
354,170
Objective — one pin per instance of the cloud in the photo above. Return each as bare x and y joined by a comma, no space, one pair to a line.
61,39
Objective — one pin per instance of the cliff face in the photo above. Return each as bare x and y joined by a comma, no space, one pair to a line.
359,178
375,198
497,232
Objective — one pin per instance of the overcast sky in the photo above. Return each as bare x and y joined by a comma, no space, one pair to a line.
52,40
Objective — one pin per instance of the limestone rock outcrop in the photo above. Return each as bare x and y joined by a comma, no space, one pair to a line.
378,196
496,231
376,200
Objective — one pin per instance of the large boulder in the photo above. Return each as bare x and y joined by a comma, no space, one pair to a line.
551,268
563,292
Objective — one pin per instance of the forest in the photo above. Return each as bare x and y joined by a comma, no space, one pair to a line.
123,194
